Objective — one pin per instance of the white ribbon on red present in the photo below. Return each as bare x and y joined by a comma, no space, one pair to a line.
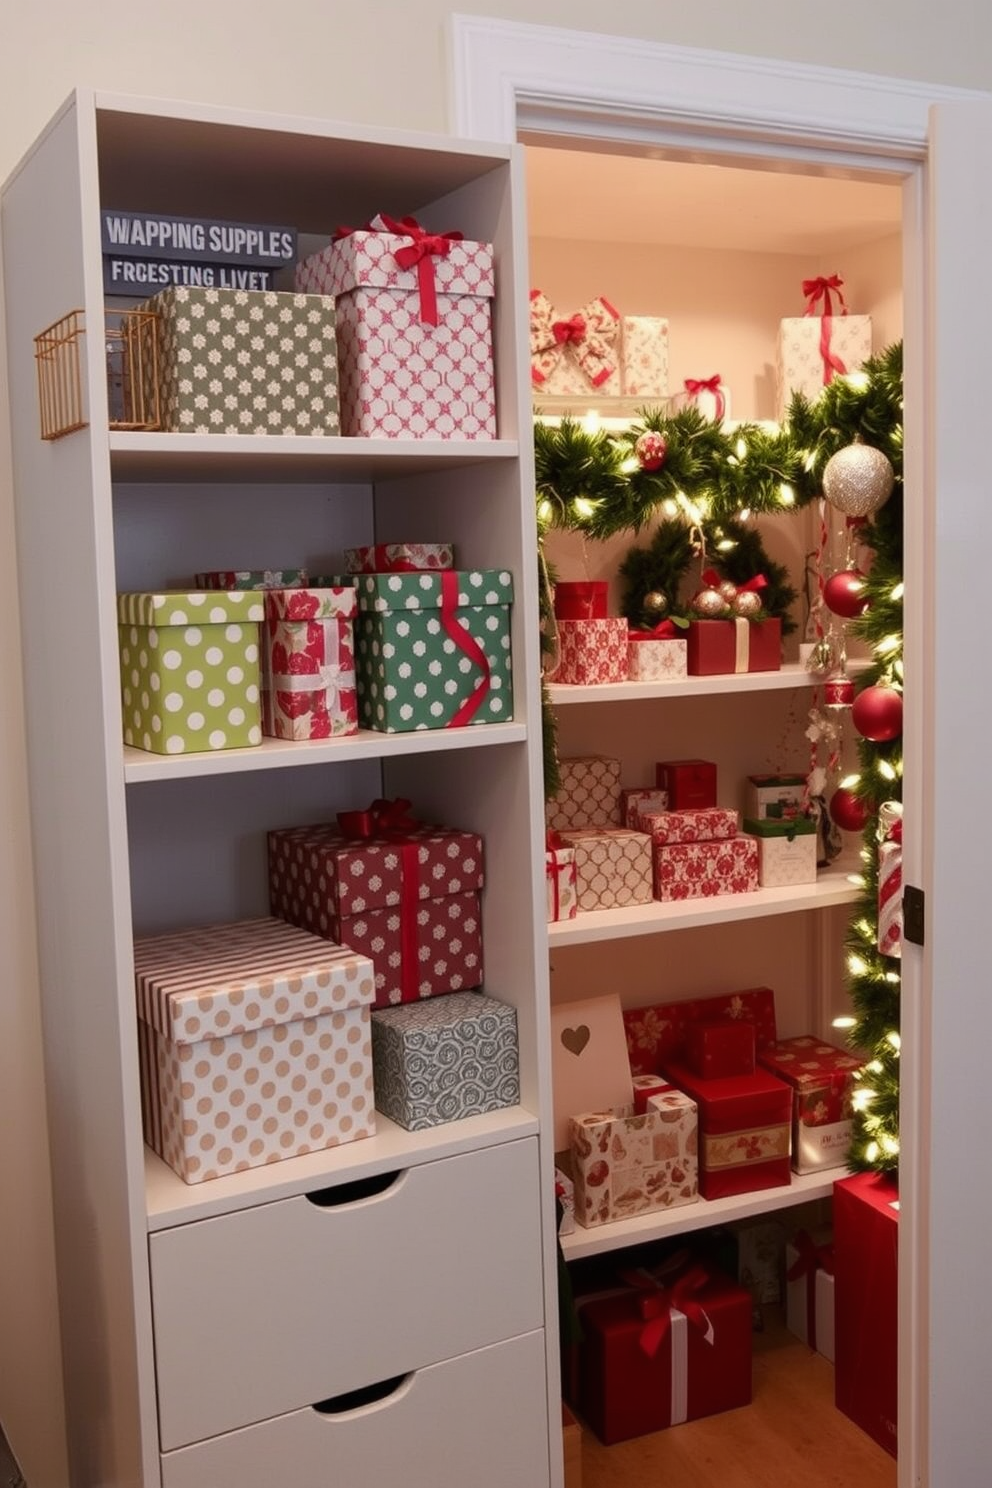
590,337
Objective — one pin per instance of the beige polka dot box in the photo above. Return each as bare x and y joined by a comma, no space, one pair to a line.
255,1045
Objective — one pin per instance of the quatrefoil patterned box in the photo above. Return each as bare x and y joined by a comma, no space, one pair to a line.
409,899
236,361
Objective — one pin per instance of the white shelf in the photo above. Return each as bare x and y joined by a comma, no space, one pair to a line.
291,457
169,1201
276,754
664,1222
832,887
792,674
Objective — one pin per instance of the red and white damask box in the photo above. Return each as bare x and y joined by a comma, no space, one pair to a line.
591,652
414,330
694,824
701,870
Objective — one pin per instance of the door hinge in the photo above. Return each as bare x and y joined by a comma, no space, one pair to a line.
913,914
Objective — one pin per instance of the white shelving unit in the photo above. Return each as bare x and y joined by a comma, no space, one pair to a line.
203,1324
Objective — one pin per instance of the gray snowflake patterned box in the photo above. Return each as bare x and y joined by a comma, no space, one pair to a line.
444,1059
234,361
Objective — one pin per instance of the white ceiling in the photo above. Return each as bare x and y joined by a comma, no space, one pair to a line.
613,198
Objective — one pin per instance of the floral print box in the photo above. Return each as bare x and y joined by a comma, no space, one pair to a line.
822,1081
308,664
626,1165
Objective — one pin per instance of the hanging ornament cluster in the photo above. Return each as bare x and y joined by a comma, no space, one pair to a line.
720,599
858,479
650,450
877,714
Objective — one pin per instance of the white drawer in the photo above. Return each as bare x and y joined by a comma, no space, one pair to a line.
475,1422
270,1309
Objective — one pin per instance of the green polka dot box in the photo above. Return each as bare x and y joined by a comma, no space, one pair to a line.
237,361
432,650
190,671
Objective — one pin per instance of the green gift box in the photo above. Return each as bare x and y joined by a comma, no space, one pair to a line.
238,361
780,826
190,670
432,650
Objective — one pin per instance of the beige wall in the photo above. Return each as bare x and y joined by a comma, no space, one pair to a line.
382,62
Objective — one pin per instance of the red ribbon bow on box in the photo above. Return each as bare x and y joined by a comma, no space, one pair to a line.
392,819
810,1258
816,290
590,336
665,630
421,250
696,385
657,1301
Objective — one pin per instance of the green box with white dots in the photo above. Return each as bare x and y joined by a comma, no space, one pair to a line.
190,670
432,650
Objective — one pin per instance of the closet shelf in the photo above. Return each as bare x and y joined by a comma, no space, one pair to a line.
792,675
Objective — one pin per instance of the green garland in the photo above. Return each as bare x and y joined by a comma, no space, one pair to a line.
710,480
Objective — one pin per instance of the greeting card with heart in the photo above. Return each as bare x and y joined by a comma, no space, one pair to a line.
589,1064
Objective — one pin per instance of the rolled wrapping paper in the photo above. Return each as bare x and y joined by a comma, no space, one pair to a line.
890,879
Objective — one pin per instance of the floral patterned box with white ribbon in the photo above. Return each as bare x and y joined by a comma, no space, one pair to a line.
414,327
446,1059
308,664
596,351
255,1045
190,672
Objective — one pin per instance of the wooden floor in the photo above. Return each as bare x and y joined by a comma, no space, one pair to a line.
791,1434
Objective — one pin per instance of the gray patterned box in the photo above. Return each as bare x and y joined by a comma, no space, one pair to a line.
238,361
444,1059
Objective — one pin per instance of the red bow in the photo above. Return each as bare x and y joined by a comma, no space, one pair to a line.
816,290
589,337
695,385
657,1301
663,631
754,585
422,249
381,819
573,329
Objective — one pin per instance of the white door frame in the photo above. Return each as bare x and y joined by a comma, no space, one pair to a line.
509,80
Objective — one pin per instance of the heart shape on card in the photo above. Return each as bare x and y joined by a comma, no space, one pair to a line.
575,1039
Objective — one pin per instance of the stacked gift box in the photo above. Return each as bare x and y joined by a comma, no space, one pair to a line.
777,812
823,343
596,351
612,862
592,645
866,1252
697,848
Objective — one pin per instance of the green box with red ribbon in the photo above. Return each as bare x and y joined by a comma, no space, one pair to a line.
432,650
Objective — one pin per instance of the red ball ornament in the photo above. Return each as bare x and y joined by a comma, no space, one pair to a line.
877,714
844,594
849,811
651,449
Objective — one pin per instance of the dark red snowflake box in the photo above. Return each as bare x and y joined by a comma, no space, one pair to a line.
690,783
718,646
866,1248
407,895
745,1130
656,1355
658,1034
822,1080
719,1048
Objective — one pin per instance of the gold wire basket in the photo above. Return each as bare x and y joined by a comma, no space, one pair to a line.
133,381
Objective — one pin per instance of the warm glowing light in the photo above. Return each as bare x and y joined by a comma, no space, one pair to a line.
544,510
898,591
744,514
670,508
845,1022
890,1144
592,423
857,380
786,494
886,771
874,1067
727,546
887,645
857,879
583,507
871,1152
741,448
894,1039
809,459
631,464
893,977
849,782
862,1099
855,965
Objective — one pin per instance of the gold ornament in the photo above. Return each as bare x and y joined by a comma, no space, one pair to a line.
709,604
748,603
858,480
655,602
728,590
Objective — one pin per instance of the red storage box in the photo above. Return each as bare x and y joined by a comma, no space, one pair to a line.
720,1050
656,1035
866,1246
745,1124
690,783
580,601
656,1356
718,646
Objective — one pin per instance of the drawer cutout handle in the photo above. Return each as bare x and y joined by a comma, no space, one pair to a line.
352,1400
352,1193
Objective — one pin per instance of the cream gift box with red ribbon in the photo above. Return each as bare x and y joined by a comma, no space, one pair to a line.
308,664
708,395
596,350
414,328
824,343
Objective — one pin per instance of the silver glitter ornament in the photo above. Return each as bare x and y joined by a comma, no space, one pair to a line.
709,604
655,602
748,603
858,480
728,590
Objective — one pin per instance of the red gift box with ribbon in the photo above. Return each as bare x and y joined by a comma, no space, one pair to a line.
308,664
744,1130
659,1033
714,647
822,1079
823,343
403,893
656,1353
559,873
809,1290
866,1248
414,329
580,599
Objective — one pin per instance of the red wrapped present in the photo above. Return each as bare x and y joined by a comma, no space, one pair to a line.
696,824
404,557
822,1080
718,1049
701,870
658,1034
744,1130
403,893
656,1355
576,600
308,664
866,1245
645,1086
717,646
809,1290
690,783
591,652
